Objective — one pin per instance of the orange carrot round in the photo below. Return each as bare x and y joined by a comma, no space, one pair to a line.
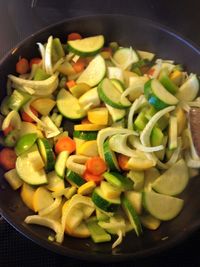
65,144
8,158
96,166
35,60
122,161
74,36
22,66
26,117
91,177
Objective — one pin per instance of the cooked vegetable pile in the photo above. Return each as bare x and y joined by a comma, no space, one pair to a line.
131,151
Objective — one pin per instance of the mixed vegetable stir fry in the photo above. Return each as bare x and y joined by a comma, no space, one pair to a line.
131,151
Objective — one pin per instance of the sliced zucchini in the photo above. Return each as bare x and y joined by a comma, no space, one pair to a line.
74,179
98,234
110,157
118,180
109,94
110,191
46,153
27,172
18,99
88,46
132,215
69,106
124,57
94,72
103,203
135,199
189,89
60,164
174,180
162,207
87,135
115,113
157,95
167,82
173,130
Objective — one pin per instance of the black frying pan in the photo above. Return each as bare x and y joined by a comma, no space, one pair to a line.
144,35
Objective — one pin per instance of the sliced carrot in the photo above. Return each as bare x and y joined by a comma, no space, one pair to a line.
96,165
22,66
74,36
122,161
91,177
8,158
7,130
70,83
26,117
65,144
35,60
79,65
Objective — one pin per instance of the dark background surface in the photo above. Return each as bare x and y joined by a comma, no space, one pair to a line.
19,19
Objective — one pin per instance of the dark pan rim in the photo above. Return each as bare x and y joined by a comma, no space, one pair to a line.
180,237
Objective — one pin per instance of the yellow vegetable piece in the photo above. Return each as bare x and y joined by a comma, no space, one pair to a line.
36,160
79,89
86,188
78,142
51,208
80,231
89,148
98,116
74,211
13,179
176,77
27,194
88,127
140,162
43,105
42,198
67,192
179,113
54,182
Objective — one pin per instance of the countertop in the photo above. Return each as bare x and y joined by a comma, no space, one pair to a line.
19,19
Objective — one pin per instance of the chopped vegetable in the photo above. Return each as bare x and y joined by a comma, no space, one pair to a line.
22,66
8,158
100,138
74,36
96,165
65,144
